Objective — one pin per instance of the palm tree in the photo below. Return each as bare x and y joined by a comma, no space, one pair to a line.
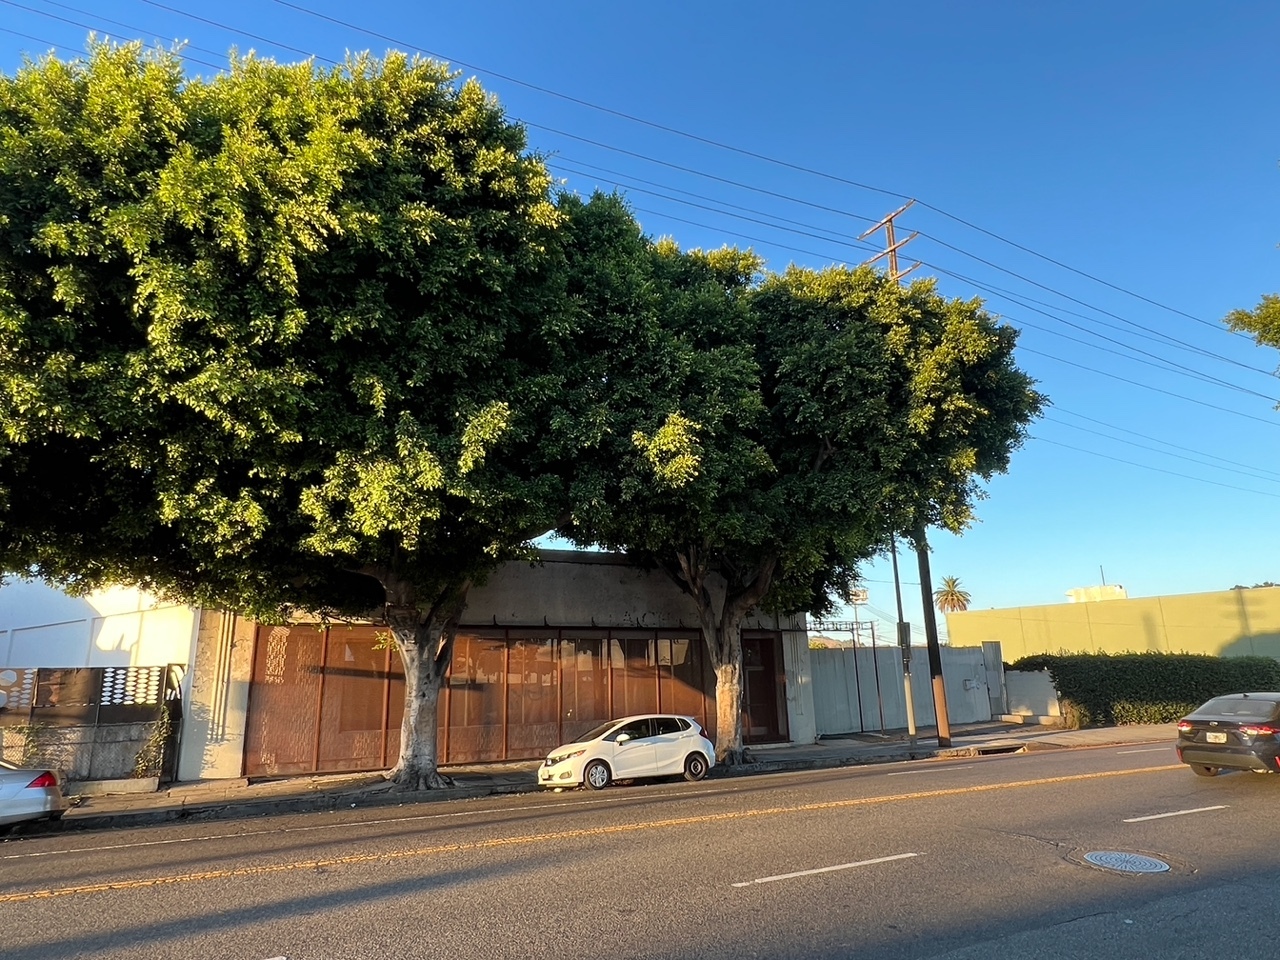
951,599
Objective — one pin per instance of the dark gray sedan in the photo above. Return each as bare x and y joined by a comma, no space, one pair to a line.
1240,731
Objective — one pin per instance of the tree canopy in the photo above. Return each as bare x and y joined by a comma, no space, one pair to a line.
291,338
818,413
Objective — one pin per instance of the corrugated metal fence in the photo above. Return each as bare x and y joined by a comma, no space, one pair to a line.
860,689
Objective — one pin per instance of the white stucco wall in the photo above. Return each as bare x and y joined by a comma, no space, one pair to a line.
40,626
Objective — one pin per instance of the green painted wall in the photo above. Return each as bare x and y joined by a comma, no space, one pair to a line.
1230,623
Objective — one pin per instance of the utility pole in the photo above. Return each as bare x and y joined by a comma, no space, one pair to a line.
892,246
931,637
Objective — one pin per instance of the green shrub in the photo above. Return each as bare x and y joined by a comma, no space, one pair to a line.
1101,688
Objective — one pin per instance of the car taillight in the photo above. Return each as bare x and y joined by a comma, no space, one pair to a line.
1258,731
45,779
1183,726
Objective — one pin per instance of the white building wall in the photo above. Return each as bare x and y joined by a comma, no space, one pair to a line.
41,626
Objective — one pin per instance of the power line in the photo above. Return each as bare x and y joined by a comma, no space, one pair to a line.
1157,335
302,9
1253,471
27,36
1147,386
1082,273
1081,366
1134,433
84,26
117,23
980,285
1146,466
741,151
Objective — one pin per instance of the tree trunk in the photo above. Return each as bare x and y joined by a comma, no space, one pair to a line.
729,748
425,641
416,768
722,606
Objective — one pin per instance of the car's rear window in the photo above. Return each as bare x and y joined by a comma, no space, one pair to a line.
1239,707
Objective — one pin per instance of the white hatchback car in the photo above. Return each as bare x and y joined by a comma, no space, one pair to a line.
651,745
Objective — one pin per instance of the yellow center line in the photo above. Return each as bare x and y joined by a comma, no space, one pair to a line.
256,871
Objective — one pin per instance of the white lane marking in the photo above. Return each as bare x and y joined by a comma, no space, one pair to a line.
903,773
1147,750
839,866
1175,813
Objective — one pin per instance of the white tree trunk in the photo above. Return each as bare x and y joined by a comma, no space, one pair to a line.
416,768
425,642
729,747
722,607
723,632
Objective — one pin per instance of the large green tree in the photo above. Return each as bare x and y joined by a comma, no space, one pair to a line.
288,339
1263,321
815,414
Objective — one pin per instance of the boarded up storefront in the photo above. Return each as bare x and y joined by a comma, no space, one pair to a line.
330,699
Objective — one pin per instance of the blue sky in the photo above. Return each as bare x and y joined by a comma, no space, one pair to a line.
1135,143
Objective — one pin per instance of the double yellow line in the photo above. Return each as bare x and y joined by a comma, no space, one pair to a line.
257,871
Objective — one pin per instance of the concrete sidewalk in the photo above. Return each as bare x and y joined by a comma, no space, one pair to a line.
232,799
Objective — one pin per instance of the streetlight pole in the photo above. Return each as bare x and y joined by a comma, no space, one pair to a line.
904,643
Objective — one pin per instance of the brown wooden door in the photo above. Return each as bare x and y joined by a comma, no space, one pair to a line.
764,689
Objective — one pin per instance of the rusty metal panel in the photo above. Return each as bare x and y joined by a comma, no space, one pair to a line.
584,683
634,668
332,701
352,724
533,698
682,682
477,699
284,701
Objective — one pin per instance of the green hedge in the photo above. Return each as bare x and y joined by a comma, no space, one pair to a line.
1102,689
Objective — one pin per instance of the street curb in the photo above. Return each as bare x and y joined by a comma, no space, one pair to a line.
832,763
376,795
267,806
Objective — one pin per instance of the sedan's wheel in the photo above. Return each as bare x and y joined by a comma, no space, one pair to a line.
1200,770
695,766
596,776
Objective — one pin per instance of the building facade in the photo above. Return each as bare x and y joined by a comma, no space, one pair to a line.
543,653
1225,623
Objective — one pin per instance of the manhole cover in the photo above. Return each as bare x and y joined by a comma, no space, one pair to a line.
1126,862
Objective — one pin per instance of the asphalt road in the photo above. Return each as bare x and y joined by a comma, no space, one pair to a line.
979,858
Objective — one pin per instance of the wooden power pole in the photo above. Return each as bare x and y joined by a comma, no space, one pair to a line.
892,246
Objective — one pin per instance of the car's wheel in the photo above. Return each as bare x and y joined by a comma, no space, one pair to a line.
695,766
1200,770
596,776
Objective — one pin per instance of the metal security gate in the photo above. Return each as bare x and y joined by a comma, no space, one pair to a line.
330,699
92,723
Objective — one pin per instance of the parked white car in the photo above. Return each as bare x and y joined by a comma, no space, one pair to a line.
650,745
30,794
